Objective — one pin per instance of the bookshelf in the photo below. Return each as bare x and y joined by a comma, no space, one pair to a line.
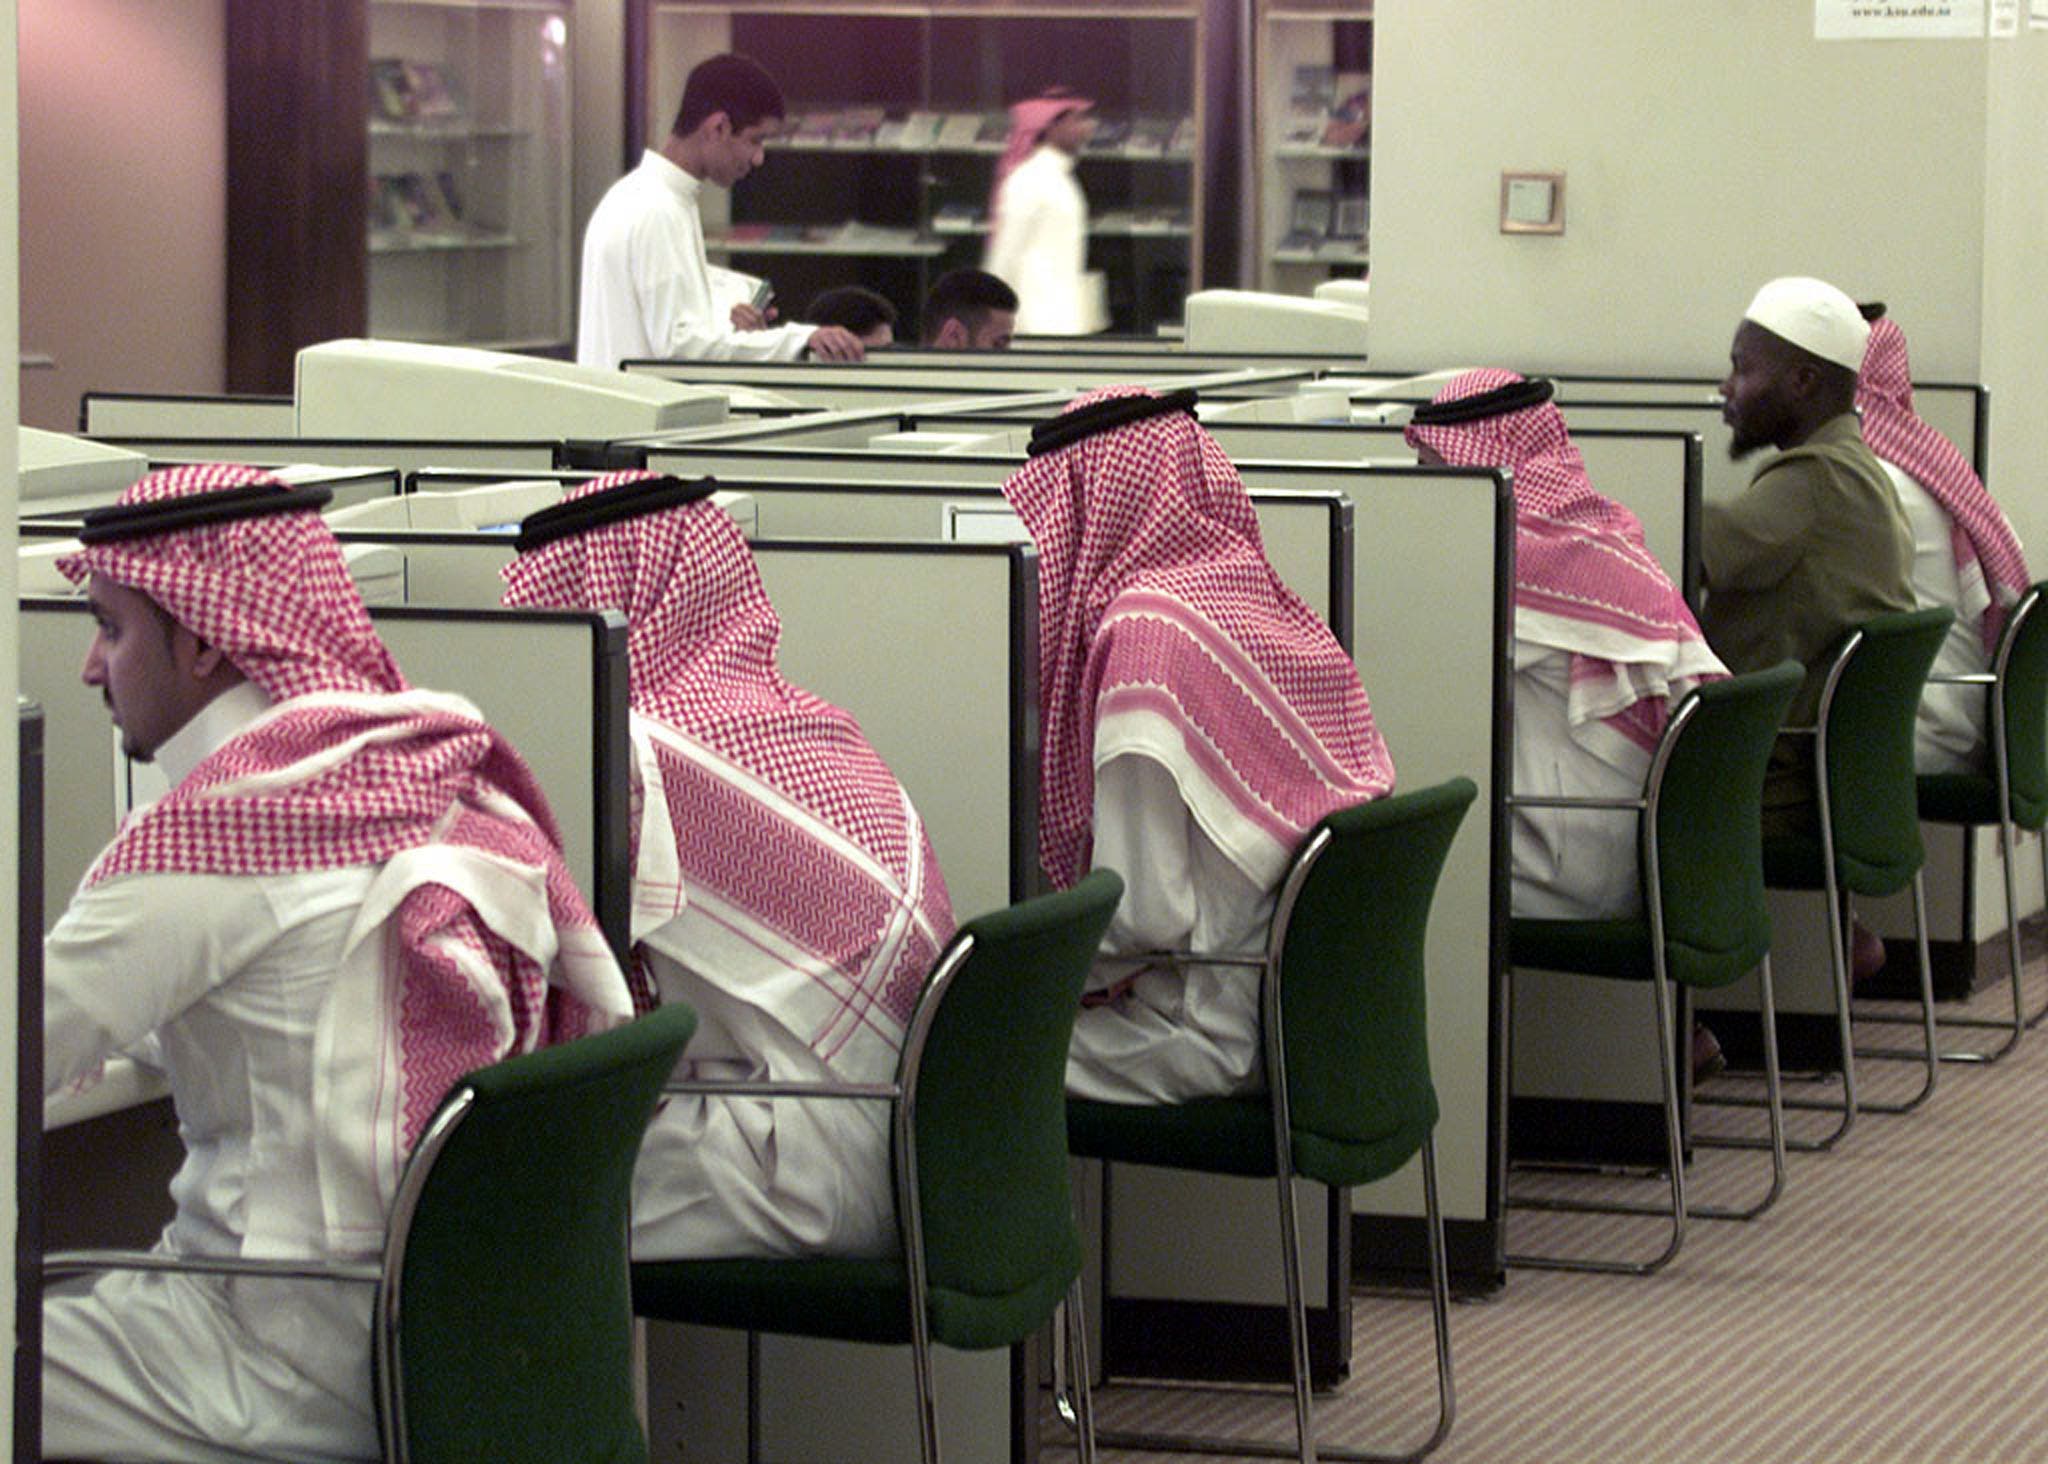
896,119
468,235
1312,143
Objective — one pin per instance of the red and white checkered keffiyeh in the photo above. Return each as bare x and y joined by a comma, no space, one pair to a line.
351,766
1161,620
1028,121
769,814
1585,581
1989,563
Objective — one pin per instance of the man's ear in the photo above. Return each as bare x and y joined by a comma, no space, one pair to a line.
952,335
717,127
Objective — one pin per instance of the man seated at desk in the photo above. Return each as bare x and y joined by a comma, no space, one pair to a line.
1965,554
1816,543
352,895
969,310
1604,643
782,881
1198,719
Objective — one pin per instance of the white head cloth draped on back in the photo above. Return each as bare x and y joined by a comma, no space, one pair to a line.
1989,564
1164,631
761,804
493,950
1585,582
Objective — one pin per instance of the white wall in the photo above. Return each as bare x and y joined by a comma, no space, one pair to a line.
123,178
1708,148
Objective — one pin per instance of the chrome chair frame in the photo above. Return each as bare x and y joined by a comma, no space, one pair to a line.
1840,915
386,1274
1273,1043
1647,809
902,1097
2001,768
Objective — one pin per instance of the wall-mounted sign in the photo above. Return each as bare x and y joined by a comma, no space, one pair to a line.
1898,20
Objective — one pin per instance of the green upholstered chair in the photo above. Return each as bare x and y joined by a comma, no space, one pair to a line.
2013,793
1703,922
984,1214
1866,839
503,1326
1346,1046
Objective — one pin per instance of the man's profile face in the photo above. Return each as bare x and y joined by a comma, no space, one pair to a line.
734,154
142,661
993,332
1757,395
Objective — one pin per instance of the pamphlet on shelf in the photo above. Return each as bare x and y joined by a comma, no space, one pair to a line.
994,130
1111,134
1349,220
856,127
433,91
1314,90
1183,140
921,129
959,129
1149,135
1351,116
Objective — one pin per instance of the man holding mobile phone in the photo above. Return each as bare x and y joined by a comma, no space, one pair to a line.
647,288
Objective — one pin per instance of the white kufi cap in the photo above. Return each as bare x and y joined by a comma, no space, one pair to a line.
1813,315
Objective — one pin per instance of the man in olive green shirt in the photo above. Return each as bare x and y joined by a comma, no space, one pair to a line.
1817,542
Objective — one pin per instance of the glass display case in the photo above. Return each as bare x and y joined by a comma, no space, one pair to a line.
896,120
470,238
1312,143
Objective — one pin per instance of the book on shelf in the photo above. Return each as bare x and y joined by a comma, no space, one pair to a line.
1351,114
1348,221
1183,139
890,132
958,129
1314,90
856,126
957,218
1312,212
921,129
408,91
1150,135
994,128
813,128
1111,135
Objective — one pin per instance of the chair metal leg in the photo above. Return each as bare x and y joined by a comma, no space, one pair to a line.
1306,1448
1930,1053
927,1395
1774,1102
2015,1026
1674,1160
1071,1391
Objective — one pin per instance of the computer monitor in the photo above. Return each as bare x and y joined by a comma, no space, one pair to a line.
411,390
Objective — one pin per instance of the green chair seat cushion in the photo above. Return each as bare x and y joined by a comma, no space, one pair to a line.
1234,1136
842,1298
1620,950
1793,862
1972,798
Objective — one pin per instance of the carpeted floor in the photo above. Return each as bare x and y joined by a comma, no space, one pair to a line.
1886,1311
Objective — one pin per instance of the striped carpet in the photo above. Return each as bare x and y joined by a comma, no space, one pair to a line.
1887,1309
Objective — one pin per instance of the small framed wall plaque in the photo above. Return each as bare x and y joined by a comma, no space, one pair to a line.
1532,203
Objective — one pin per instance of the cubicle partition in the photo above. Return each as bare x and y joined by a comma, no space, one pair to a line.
884,379
348,485
186,446
145,414
574,736
28,1083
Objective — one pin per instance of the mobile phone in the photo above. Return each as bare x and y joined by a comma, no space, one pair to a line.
764,296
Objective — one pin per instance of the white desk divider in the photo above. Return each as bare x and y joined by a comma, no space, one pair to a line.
151,414
574,736
188,446
347,484
884,379
864,626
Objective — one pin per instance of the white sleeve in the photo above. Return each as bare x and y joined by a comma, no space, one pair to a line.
680,309
133,952
1142,831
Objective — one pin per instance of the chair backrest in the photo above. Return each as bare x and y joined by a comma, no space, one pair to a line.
505,1319
1347,950
984,1072
1867,716
2021,664
1705,806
